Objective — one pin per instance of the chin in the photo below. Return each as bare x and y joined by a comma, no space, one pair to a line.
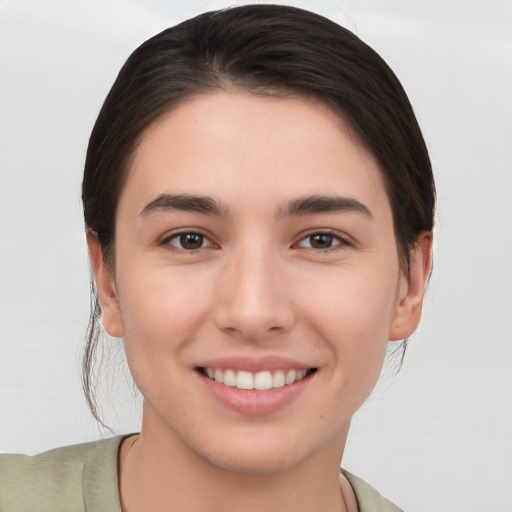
254,462
267,452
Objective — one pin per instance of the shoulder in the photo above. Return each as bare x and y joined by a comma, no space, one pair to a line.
71,478
368,499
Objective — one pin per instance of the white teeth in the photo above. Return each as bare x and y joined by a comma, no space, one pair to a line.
300,375
290,377
244,380
229,378
259,381
263,380
278,380
219,376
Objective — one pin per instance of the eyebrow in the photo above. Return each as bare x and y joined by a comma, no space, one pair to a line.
205,205
185,202
324,204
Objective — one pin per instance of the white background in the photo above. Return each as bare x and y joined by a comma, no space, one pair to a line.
435,437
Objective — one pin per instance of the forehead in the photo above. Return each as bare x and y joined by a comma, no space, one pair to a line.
238,145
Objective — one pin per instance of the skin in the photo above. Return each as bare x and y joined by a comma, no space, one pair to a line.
256,287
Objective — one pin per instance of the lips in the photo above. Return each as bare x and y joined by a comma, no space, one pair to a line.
259,381
255,387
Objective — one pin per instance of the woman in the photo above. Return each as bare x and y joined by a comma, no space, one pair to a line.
258,202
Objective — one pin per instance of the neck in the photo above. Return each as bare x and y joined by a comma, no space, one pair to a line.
160,472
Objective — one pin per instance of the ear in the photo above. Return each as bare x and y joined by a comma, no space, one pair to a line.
412,288
106,288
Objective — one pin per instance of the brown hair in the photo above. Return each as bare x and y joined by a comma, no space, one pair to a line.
264,49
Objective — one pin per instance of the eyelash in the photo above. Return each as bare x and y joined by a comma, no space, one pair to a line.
178,236
338,241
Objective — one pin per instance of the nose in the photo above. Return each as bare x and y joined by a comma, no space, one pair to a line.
253,298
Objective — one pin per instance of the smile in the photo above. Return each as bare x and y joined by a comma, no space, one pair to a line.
260,381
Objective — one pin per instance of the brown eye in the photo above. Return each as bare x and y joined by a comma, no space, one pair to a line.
188,241
322,241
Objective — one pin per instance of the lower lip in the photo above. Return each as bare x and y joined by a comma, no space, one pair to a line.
255,403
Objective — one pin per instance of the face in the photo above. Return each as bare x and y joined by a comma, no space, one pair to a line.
256,280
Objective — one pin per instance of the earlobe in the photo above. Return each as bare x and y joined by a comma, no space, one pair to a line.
106,288
412,288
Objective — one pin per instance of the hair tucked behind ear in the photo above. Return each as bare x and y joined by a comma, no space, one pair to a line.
263,49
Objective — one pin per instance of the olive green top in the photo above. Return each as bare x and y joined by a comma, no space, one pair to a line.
84,478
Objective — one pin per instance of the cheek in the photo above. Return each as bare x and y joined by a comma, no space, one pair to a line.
353,311
162,313
161,310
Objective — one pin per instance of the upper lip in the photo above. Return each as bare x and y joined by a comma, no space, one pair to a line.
254,364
